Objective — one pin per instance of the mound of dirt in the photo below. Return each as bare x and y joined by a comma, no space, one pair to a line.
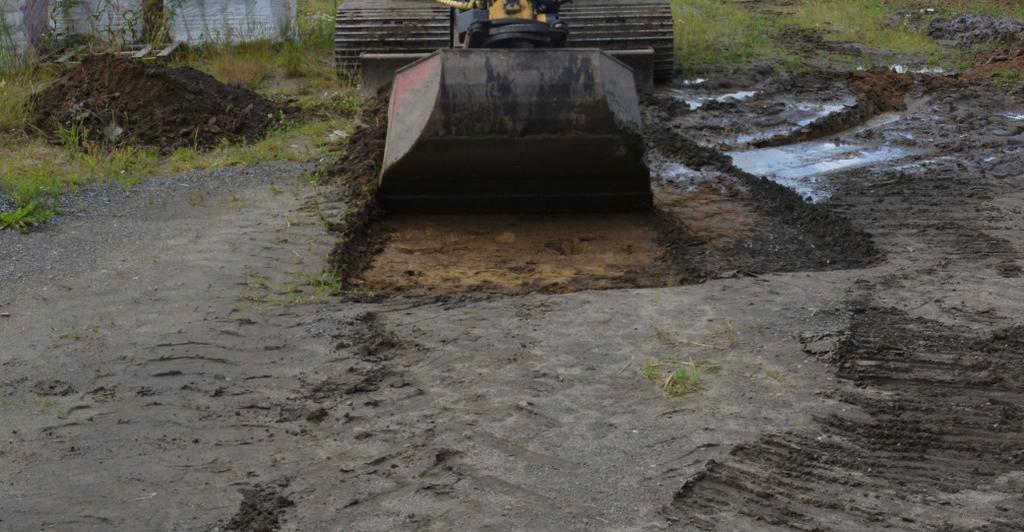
967,31
124,101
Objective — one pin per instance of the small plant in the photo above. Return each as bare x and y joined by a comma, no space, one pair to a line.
195,199
680,378
1007,79
25,218
326,283
75,135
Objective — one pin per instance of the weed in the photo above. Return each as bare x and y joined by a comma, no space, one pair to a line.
1008,79
680,378
25,218
326,283
256,282
776,375
719,340
73,136
195,199
14,103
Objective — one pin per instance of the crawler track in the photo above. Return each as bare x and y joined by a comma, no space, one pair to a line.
417,26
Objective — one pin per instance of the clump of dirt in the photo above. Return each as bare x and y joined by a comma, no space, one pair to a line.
120,100
812,41
970,30
262,509
357,171
878,90
52,387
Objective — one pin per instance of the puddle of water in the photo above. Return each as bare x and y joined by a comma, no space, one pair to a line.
672,171
903,69
798,115
694,81
695,102
801,166
1014,116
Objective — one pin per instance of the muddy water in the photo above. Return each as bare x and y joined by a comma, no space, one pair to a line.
697,101
796,116
803,167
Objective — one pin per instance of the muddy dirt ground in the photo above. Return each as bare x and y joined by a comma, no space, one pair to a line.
169,364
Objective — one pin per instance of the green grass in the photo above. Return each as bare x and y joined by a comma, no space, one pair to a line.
715,33
863,21
678,379
1008,79
35,171
25,218
305,288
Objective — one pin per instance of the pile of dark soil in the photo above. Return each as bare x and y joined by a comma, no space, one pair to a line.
123,101
967,31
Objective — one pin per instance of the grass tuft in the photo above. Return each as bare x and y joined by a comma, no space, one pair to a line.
25,218
677,378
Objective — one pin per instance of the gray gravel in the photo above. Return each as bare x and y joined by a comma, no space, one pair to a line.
6,203
967,31
71,241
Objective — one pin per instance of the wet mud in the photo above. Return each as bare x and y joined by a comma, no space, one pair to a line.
968,31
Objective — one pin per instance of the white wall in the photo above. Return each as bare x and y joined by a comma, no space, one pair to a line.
112,21
121,21
15,29
199,21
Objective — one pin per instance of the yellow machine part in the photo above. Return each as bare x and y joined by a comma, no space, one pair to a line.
499,11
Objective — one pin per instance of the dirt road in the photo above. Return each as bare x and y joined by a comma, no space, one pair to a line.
186,368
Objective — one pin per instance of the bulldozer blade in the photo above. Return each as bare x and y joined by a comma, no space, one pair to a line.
515,131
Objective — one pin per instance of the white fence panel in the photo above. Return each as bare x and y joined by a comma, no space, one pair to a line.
202,21
14,32
111,21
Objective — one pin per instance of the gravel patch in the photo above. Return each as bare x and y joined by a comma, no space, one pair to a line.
967,31
107,217
6,203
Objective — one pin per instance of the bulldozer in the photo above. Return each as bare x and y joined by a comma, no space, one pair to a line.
510,105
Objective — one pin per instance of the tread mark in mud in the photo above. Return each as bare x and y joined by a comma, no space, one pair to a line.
944,417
